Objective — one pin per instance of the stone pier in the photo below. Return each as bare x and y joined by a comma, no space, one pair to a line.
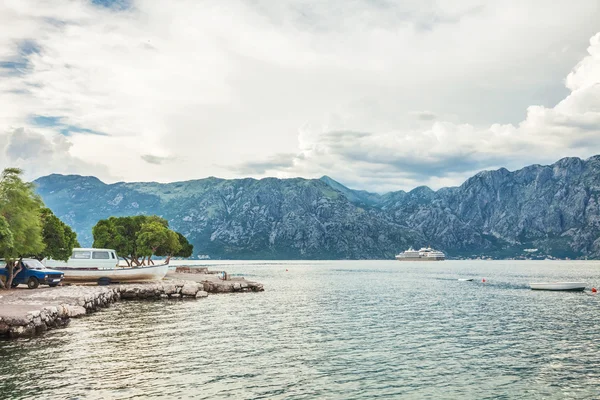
25,312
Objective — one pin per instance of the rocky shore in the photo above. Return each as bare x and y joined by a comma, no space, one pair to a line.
25,312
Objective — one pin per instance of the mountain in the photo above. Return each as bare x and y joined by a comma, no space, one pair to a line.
240,218
553,208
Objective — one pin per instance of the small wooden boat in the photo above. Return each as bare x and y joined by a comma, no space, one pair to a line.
564,286
121,274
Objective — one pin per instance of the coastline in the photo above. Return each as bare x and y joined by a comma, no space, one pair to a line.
25,312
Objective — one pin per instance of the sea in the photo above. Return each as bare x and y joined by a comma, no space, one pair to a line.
332,330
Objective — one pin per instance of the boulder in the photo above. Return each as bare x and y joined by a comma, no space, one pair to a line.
76,311
189,289
169,289
201,293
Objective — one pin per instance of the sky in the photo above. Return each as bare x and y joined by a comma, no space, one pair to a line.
380,95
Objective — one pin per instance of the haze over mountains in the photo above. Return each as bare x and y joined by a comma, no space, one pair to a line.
554,208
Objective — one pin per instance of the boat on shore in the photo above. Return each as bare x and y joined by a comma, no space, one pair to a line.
102,265
559,286
113,275
424,254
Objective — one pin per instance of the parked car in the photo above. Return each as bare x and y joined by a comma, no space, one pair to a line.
33,273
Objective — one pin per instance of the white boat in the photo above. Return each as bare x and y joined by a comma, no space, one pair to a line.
120,274
86,258
424,254
570,286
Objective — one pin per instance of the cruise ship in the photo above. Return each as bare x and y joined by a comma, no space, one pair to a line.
424,254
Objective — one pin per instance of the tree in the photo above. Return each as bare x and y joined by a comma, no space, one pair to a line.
176,246
136,239
151,236
59,238
21,226
187,249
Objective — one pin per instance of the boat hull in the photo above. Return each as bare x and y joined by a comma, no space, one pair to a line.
420,259
559,286
125,274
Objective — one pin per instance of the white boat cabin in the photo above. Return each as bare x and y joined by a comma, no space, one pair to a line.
87,258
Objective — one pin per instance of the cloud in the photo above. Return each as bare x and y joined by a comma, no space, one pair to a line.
297,87
424,115
157,160
36,153
447,152
274,163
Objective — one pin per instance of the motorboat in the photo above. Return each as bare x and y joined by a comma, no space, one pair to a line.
564,286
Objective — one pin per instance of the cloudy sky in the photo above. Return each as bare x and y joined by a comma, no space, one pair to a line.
378,94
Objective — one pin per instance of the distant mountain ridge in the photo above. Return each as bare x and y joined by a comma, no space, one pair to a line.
553,208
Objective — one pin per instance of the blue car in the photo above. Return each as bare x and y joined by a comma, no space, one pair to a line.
33,273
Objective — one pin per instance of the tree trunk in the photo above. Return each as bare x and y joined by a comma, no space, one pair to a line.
12,272
168,259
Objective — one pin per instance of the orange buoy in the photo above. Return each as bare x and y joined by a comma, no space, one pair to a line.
594,290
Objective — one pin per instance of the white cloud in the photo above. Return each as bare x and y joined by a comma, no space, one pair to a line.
446,152
37,153
232,82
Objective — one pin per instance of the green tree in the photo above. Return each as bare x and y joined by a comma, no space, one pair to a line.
20,208
176,246
136,239
187,249
59,238
151,236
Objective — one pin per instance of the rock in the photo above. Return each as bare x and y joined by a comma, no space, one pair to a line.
190,289
21,331
76,311
175,295
169,289
201,294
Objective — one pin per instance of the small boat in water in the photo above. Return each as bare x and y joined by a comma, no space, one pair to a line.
559,286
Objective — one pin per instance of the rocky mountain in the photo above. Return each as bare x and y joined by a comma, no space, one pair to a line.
555,209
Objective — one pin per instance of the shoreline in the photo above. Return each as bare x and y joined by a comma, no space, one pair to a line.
27,312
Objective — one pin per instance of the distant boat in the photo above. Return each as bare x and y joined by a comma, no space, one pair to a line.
424,254
561,286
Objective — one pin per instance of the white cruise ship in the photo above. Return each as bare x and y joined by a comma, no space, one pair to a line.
424,254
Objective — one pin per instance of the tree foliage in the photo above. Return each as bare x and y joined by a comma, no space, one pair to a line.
137,239
21,224
27,228
58,237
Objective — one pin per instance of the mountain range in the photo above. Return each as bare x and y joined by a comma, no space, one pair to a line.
552,208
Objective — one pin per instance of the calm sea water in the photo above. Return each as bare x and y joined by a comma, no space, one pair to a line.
339,330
